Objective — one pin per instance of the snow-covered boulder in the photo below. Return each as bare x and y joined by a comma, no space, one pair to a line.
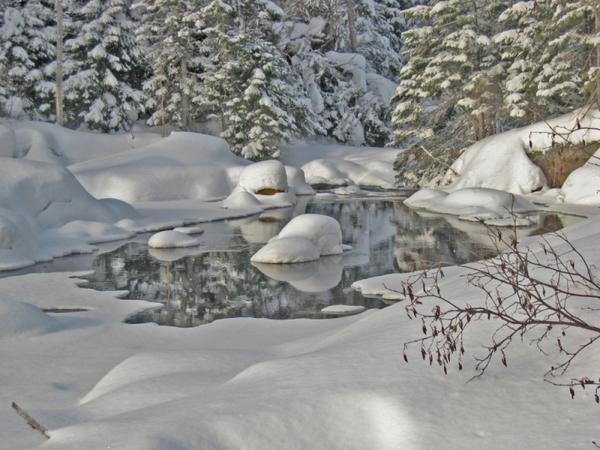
305,238
583,185
297,181
241,199
172,239
8,142
471,203
264,177
342,310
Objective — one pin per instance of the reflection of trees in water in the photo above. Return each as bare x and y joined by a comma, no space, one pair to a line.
386,236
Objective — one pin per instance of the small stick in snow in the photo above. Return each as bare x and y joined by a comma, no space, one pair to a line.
30,420
440,161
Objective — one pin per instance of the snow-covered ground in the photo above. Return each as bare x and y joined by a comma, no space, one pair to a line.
250,383
96,382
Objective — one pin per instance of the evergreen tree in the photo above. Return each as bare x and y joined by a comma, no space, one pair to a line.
104,68
250,85
26,48
175,52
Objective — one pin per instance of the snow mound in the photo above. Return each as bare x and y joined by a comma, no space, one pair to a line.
240,199
180,166
471,203
50,193
288,250
172,239
583,185
305,238
94,232
342,310
297,180
8,142
19,318
501,162
17,240
264,177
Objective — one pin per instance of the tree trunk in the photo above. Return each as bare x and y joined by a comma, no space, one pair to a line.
351,24
597,31
58,5
185,95
162,75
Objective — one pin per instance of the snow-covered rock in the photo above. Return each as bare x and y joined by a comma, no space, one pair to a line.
241,199
264,177
172,239
342,310
501,162
305,238
582,186
297,181
471,203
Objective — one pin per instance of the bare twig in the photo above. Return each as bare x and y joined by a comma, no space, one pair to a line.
30,420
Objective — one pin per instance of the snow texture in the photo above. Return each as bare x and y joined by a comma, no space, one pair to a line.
264,175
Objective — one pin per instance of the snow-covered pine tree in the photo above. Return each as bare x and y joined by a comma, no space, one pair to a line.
250,84
175,52
452,63
104,71
568,65
26,47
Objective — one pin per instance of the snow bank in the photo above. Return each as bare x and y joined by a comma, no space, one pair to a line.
500,161
19,319
471,203
8,142
47,142
46,213
180,166
305,238
172,239
340,165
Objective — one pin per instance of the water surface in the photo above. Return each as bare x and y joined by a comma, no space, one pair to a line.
216,280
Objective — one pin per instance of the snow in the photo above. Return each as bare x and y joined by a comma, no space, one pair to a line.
341,383
240,199
263,175
8,142
180,166
306,237
500,161
20,318
171,239
472,203
582,186
342,310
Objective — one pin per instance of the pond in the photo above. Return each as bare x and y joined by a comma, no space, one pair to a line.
216,280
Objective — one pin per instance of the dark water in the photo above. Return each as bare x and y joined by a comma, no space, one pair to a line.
217,280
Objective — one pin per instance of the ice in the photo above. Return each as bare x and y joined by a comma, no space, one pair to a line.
342,310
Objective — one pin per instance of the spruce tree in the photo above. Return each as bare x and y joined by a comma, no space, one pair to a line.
104,69
26,48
